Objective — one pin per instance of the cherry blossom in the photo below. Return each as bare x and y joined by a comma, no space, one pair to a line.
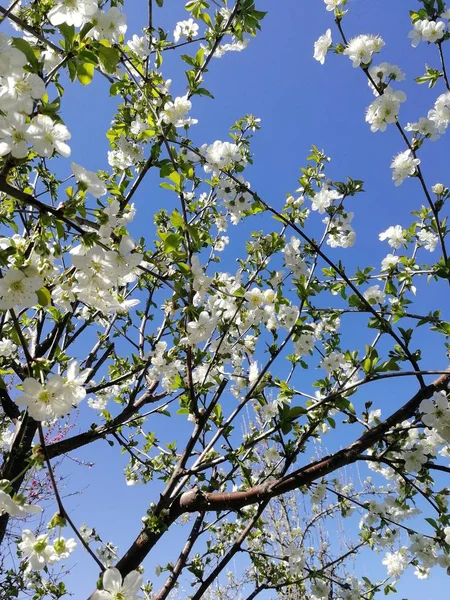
116,587
321,46
72,12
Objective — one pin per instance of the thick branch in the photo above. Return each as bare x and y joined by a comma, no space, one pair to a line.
15,466
30,200
10,408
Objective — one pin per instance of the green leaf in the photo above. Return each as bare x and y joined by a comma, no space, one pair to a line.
88,56
196,7
85,73
68,32
115,88
49,108
203,92
167,186
25,47
431,77
171,241
184,268
85,30
108,57
199,57
175,177
72,66
177,220
295,412
206,19
44,297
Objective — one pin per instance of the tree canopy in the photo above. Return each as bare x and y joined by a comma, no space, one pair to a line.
278,392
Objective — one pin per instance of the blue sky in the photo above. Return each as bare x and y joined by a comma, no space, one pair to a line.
300,103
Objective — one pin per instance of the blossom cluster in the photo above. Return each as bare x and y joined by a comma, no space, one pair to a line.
107,25
39,553
56,397
426,31
101,274
87,272
19,91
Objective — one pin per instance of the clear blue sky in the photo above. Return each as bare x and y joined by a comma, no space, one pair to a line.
300,104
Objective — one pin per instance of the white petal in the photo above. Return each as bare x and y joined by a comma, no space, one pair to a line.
112,580
132,582
5,147
101,595
19,150
63,149
31,386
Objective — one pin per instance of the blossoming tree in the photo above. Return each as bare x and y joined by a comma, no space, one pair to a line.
256,369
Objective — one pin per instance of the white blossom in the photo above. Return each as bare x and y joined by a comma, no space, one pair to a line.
414,459
384,73
374,295
109,25
18,288
115,588
139,45
89,181
12,60
438,189
15,506
428,239
50,400
125,155
360,49
440,113
332,4
188,29
322,45
394,235
426,127
37,550
403,165
389,261
396,562
200,329
427,31
293,258
447,535
319,590
384,109
72,12
304,344
335,361
324,198
63,548
175,112
436,414
7,348
15,135
50,58
49,136
18,92
235,46
221,155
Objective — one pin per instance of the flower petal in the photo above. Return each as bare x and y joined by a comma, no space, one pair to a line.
112,580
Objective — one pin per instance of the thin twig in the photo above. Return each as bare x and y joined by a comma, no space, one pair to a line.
62,511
